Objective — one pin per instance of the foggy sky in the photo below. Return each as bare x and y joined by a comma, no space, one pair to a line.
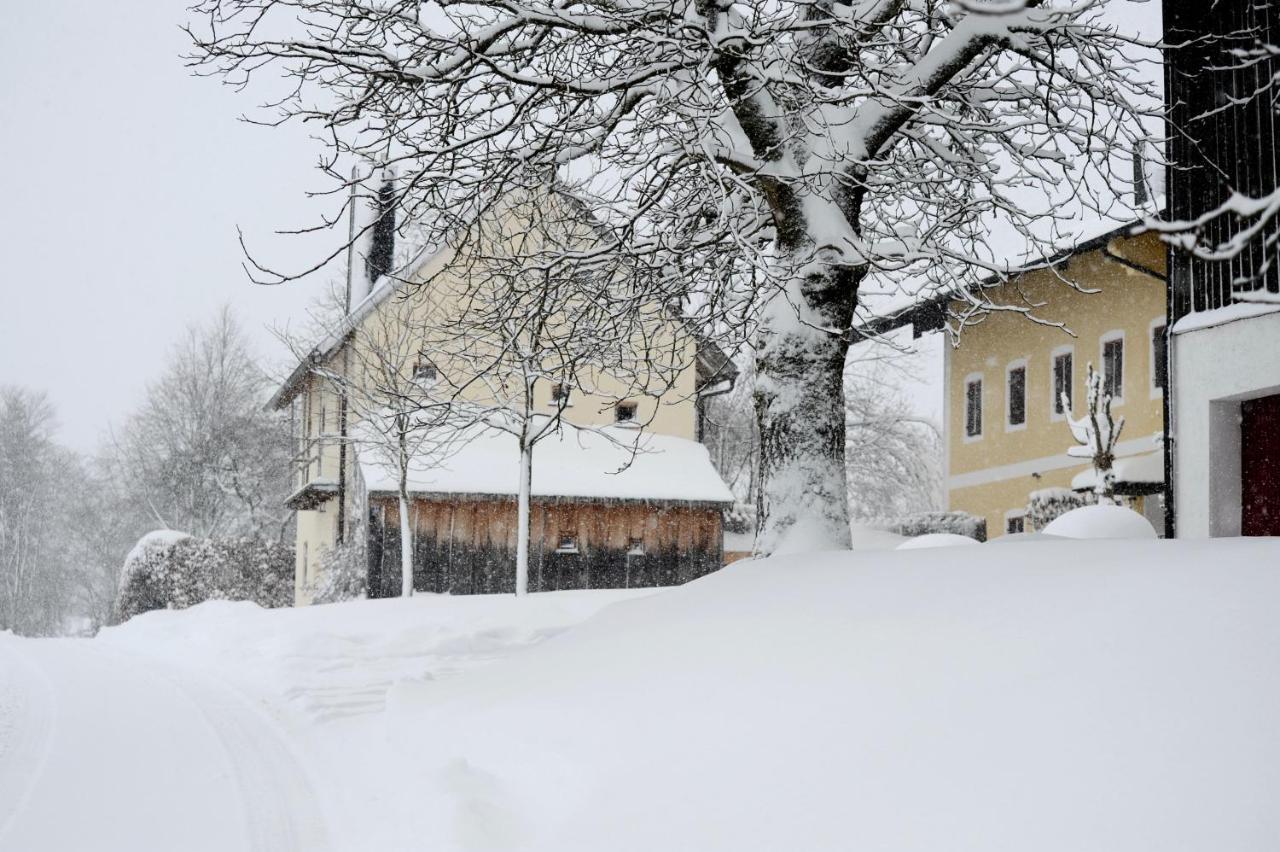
124,179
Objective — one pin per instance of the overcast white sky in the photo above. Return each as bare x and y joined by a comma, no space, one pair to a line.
123,181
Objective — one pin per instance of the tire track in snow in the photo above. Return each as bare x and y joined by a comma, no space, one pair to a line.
26,730
280,805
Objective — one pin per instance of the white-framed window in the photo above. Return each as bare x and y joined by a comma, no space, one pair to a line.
1062,381
1015,521
1112,359
1015,395
561,395
624,412
567,542
973,407
1159,357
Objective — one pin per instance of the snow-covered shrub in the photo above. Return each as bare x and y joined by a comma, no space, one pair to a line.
242,569
170,570
147,580
956,523
343,574
1047,504
740,518
1102,521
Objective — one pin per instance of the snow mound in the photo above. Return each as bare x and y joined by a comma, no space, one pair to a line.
960,699
1101,522
870,538
928,540
1016,538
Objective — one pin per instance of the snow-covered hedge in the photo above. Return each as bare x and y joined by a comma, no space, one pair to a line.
1047,504
169,570
343,574
955,523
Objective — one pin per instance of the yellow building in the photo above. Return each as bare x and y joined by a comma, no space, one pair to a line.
401,336
1102,303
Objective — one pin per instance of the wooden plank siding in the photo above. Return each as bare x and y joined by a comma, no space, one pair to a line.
466,546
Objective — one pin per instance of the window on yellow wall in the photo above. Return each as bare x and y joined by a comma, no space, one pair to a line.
1113,367
973,407
1017,394
1062,377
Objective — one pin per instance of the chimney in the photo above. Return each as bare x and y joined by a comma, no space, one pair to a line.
382,245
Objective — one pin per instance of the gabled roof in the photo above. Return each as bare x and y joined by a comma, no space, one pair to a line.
712,364
608,462
929,312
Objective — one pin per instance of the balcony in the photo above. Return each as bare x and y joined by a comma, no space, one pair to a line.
315,474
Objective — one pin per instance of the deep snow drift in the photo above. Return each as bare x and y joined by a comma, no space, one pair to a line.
1044,695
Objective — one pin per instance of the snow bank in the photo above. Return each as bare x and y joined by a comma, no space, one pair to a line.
1113,696
1101,695
1101,522
921,542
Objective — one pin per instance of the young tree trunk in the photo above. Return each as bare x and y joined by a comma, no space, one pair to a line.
802,502
522,520
406,545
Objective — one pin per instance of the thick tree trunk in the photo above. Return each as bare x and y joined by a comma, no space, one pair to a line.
522,521
406,546
802,502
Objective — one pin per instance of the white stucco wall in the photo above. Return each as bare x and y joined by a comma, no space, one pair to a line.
1214,370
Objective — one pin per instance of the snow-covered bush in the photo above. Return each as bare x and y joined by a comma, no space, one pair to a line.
172,570
740,518
956,523
243,569
147,580
1047,504
1102,521
343,574
928,540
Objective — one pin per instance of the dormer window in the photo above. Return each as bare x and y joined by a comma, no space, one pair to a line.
624,412
425,373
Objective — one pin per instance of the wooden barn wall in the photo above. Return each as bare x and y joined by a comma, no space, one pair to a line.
468,546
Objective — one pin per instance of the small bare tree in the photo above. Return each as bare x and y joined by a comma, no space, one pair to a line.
1096,433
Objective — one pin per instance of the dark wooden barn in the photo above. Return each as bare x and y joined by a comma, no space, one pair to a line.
611,508
466,544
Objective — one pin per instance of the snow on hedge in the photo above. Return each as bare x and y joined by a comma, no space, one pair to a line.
1101,522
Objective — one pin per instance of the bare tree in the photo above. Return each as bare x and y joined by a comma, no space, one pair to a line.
200,454
894,453
748,159
1096,434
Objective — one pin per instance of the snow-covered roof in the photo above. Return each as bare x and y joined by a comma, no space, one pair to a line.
1146,469
611,462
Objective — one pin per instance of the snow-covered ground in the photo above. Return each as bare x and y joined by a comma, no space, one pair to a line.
1047,695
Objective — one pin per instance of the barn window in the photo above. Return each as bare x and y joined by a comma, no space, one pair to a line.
567,543
635,547
624,412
